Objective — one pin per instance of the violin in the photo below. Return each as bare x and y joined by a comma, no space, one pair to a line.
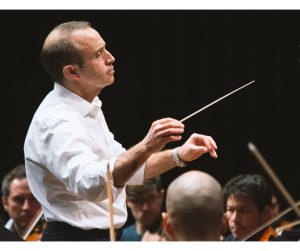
293,205
35,228
268,234
37,232
271,231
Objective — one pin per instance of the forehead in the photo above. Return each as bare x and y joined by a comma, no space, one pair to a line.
149,192
240,201
19,186
87,37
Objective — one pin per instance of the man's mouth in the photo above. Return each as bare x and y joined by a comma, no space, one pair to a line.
111,70
236,228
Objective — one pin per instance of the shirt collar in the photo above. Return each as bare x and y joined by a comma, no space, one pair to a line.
84,107
10,224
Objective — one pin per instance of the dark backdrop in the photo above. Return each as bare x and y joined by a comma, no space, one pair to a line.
171,63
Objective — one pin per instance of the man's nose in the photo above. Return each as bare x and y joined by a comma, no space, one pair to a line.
145,205
234,216
26,205
109,57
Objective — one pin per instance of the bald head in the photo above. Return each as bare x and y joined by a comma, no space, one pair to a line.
59,49
194,204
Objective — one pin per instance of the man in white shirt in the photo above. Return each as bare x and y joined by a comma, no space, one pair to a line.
69,146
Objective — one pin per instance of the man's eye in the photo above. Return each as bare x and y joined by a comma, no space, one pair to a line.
229,209
100,53
18,199
243,210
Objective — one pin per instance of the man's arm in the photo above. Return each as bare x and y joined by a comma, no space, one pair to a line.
148,150
161,132
192,149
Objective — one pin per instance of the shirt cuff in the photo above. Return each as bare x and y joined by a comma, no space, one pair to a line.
136,179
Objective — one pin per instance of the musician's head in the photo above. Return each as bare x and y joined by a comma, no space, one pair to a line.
145,202
194,205
17,198
247,199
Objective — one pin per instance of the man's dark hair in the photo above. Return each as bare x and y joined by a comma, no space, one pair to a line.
62,51
17,173
134,191
254,186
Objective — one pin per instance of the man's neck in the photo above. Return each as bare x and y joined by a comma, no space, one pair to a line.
18,230
139,228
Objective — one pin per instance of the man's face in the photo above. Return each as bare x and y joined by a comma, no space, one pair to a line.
20,203
243,215
97,70
146,208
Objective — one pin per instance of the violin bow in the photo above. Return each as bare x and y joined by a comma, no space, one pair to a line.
33,223
269,222
274,177
279,230
110,201
280,186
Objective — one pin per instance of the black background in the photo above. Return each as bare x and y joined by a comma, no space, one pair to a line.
169,63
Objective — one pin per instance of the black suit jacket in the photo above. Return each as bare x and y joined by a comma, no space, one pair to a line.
6,235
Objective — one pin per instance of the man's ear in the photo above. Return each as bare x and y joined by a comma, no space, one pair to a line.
167,225
129,203
70,71
5,203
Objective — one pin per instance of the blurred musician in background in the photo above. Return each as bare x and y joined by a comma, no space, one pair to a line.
18,201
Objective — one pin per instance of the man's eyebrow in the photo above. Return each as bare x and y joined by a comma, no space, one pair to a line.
101,48
18,196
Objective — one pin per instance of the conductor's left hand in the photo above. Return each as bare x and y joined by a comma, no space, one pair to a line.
196,146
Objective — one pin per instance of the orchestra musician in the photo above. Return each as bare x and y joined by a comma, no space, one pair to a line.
247,201
249,208
283,230
194,208
18,200
145,203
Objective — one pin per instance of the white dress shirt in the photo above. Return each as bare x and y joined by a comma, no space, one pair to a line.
10,225
67,149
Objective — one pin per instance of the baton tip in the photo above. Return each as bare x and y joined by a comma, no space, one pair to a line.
251,146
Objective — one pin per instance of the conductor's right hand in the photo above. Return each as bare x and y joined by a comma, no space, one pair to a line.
162,131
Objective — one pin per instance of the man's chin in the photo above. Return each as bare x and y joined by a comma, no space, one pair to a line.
108,83
111,79
148,222
238,235
24,224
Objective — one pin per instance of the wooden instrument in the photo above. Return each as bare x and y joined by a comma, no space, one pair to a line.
293,205
110,201
35,228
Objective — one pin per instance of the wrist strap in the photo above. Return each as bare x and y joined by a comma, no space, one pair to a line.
179,162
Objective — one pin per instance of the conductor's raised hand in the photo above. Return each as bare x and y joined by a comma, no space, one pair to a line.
196,146
162,131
